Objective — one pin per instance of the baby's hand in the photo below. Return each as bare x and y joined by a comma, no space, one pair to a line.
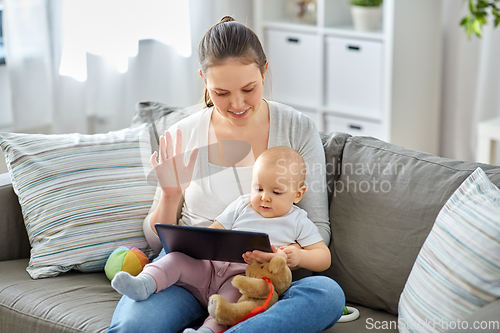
292,253
259,256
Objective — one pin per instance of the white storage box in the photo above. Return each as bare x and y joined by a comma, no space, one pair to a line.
354,76
295,67
354,127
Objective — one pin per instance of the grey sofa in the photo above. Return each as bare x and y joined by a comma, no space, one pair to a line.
384,200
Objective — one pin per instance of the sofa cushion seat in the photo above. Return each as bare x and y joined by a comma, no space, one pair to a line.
85,302
73,302
369,320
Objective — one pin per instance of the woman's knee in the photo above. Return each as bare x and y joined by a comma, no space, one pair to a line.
167,311
331,295
328,286
323,290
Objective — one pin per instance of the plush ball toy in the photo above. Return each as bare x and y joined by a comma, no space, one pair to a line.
260,288
127,259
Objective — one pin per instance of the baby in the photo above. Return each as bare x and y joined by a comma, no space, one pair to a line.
277,183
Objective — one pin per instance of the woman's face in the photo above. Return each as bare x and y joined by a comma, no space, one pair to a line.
235,90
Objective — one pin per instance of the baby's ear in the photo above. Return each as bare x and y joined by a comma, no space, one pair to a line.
299,194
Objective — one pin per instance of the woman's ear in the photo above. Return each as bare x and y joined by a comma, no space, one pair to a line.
299,194
264,72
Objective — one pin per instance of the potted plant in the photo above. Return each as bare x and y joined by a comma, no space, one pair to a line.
366,14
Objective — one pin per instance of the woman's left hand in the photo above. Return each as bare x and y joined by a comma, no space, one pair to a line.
260,256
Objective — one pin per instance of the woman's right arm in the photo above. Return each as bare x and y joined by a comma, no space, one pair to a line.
148,229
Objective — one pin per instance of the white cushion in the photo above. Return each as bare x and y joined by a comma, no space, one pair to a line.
82,196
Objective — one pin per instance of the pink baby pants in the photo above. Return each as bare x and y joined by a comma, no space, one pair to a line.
202,278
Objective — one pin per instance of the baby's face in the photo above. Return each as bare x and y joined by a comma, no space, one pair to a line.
274,190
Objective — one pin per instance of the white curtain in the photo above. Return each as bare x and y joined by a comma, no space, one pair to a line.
471,83
29,62
44,93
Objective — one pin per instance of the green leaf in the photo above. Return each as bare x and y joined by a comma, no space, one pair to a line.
471,6
465,20
481,5
476,27
497,21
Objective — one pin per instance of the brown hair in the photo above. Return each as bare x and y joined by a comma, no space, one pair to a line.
229,39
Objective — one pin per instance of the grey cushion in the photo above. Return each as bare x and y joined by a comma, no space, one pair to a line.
160,117
73,302
382,209
488,319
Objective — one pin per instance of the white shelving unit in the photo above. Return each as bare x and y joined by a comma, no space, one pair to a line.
383,83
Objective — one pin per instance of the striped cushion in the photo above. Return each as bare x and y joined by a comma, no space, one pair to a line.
458,268
82,196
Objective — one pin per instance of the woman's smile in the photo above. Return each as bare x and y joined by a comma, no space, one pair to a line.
239,114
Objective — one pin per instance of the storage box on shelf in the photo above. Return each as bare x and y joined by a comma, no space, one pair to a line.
383,83
298,86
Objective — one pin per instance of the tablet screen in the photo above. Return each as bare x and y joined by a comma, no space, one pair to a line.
211,244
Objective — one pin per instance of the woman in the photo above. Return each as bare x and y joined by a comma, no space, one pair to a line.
233,67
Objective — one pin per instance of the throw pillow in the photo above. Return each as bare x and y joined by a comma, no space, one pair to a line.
458,268
82,196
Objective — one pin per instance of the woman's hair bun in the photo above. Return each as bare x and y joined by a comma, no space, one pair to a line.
226,18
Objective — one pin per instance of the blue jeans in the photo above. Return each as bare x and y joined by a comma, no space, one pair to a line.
312,304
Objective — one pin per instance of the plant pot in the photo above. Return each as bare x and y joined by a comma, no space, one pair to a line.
366,18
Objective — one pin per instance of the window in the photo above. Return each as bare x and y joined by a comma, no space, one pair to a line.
114,31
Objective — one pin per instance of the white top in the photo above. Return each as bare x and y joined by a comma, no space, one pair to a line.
227,183
288,127
292,227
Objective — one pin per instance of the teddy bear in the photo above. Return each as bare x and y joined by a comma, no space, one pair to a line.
255,287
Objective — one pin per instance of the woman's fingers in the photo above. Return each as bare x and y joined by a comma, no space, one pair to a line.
178,142
170,146
161,150
153,161
166,148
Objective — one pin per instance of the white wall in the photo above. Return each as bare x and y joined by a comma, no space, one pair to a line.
5,109
5,100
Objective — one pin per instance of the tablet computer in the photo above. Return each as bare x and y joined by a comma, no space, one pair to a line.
211,244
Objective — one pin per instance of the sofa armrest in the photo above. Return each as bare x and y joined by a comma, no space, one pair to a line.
14,243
